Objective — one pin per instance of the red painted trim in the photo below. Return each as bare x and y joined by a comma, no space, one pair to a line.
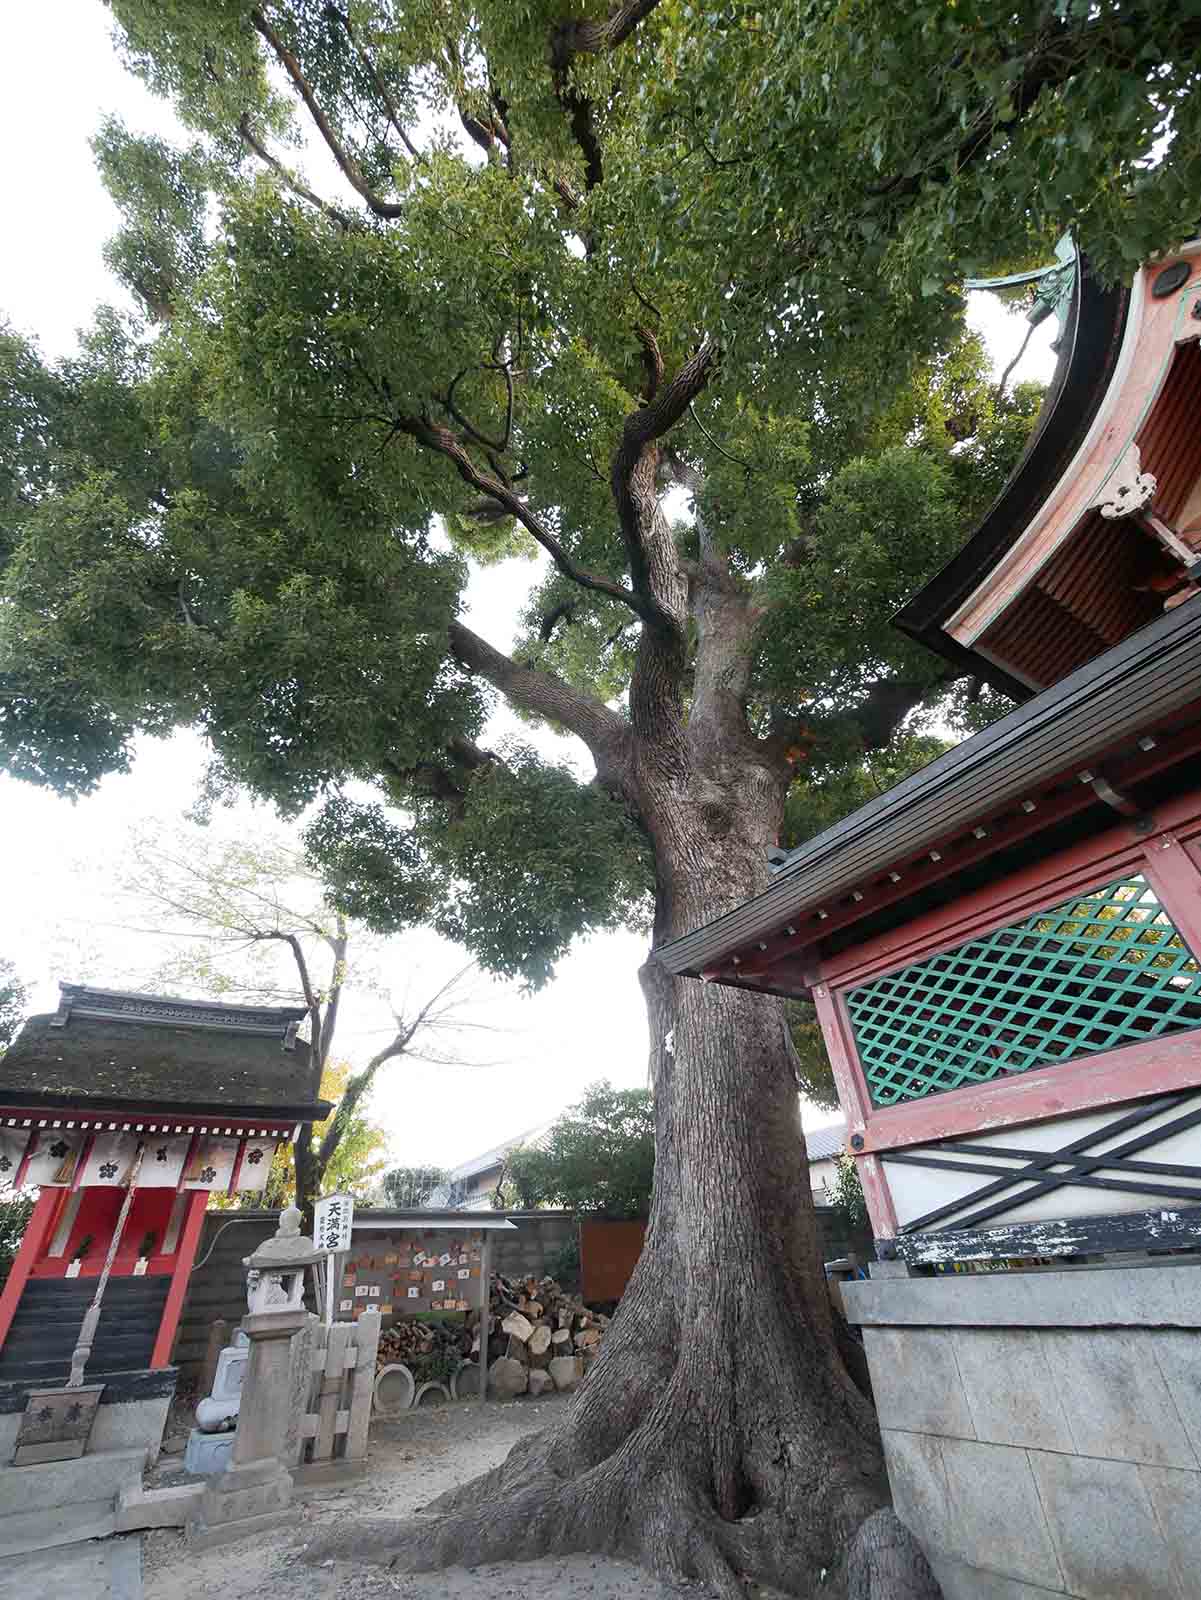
45,1210
187,1162
994,906
185,1255
128,1120
1089,1083
1061,797
853,1095
878,1197
81,1161
1172,871
237,1169
31,1145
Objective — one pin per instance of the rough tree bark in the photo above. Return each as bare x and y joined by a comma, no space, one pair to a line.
719,1436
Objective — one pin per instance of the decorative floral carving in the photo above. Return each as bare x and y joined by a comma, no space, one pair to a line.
108,1169
254,1157
161,1153
207,1174
1128,490
5,1163
59,1149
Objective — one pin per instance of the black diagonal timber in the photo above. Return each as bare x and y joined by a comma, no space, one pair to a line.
1037,1177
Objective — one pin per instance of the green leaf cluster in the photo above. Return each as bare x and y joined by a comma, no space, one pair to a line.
598,1158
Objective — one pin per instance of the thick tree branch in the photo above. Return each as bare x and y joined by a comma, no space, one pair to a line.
629,470
876,718
545,695
289,179
349,167
594,38
447,444
381,88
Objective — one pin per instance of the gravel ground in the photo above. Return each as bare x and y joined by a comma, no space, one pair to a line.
412,1461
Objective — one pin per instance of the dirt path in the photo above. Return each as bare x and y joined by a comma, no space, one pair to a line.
411,1461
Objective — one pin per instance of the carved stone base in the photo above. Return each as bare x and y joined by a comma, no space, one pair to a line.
241,1498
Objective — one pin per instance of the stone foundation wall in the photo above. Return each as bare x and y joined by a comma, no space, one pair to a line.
1043,1429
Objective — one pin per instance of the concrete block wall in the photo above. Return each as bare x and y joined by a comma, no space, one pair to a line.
1043,1430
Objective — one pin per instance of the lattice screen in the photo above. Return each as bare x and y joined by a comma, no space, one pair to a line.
1100,971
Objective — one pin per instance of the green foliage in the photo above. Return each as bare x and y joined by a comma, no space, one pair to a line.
599,1157
848,1198
162,195
563,1263
358,1161
235,519
14,997
815,1076
818,802
16,1208
410,1188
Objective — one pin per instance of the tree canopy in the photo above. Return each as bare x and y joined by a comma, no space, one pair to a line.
13,999
410,1188
665,297
598,1157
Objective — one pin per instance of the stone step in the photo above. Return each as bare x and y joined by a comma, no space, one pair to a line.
55,1502
111,1570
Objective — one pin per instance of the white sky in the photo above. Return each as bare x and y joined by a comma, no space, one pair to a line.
58,77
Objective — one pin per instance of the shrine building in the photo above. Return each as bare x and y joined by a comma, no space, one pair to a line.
1003,954
178,1099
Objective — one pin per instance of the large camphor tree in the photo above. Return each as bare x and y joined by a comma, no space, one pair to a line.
662,295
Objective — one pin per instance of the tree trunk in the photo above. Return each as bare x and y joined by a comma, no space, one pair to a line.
308,1177
719,1435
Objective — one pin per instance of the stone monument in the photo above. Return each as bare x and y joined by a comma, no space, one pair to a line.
255,1490
211,1441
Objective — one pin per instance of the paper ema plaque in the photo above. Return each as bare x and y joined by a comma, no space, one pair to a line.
439,1285
464,1272
414,1294
333,1221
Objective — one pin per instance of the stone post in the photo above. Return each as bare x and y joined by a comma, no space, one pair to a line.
255,1491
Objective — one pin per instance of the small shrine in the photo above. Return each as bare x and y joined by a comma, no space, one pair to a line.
1004,954
128,1112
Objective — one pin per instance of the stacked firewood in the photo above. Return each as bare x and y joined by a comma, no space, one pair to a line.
413,1343
539,1337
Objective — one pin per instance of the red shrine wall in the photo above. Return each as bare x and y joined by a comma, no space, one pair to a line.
1168,857
97,1217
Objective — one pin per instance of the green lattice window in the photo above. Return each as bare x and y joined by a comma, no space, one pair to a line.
1104,970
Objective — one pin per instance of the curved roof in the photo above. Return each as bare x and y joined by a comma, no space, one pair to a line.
147,1063
1088,357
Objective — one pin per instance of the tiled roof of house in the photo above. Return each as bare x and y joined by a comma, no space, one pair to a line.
823,1144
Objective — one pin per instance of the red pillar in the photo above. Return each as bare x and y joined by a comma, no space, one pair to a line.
189,1241
41,1219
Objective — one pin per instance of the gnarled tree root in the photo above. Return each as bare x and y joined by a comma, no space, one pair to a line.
661,1522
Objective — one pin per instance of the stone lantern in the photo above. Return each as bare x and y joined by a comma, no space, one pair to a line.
276,1270
254,1492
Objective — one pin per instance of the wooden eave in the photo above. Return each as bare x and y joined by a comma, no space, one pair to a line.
1130,719
1089,351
